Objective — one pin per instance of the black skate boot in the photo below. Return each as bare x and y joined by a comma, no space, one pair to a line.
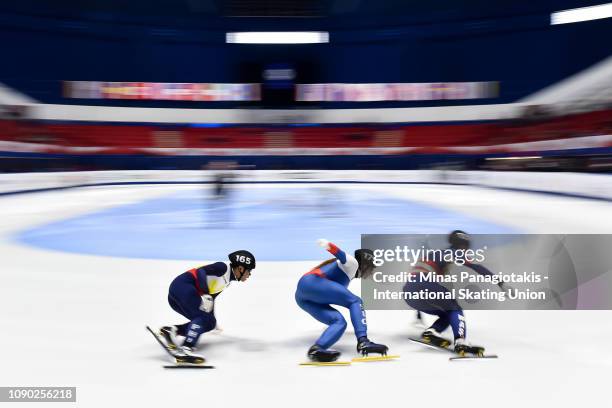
321,355
462,348
365,346
434,338
185,355
168,333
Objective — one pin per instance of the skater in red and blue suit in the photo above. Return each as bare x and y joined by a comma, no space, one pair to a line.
192,294
327,285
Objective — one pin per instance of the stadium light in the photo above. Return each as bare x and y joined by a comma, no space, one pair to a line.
279,37
581,14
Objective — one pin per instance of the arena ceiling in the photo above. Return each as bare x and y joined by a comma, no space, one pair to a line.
290,8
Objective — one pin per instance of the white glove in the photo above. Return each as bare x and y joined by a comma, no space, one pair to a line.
323,243
207,304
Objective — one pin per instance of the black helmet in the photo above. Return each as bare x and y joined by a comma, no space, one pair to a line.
458,239
242,258
365,259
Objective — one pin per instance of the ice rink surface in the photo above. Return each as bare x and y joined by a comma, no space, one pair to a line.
77,319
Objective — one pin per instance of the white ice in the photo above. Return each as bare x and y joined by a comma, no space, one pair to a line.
78,320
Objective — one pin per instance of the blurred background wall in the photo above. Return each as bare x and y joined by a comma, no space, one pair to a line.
548,105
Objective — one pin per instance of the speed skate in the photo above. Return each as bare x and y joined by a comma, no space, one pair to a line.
364,359
368,359
457,356
180,361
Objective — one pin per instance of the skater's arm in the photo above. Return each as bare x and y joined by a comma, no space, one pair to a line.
347,263
333,249
483,271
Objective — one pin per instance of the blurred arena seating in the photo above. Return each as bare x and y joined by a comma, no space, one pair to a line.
402,138
588,134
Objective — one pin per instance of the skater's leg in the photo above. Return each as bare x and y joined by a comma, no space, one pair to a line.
183,296
441,323
440,308
200,321
181,329
450,313
184,299
329,316
176,306
327,292
457,322
203,323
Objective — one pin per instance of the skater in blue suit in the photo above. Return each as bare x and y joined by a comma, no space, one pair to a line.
327,285
448,312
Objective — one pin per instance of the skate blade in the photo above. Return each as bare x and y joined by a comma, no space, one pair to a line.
430,345
324,364
189,366
373,358
169,344
192,361
442,344
471,357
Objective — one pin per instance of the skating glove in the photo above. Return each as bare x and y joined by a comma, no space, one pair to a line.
323,243
207,304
